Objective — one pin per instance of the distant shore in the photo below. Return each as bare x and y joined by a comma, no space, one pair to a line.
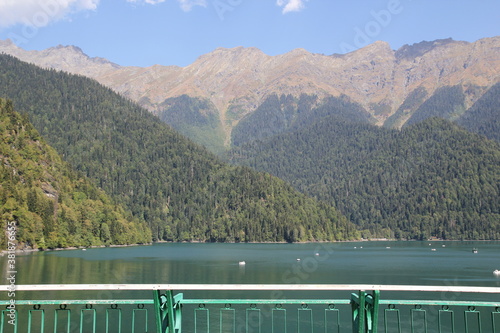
29,251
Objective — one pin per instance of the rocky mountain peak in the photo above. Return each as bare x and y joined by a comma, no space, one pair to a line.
240,78
236,55
6,43
69,48
376,47
68,58
299,52
419,49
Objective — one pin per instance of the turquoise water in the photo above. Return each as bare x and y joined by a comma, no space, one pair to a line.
403,263
450,263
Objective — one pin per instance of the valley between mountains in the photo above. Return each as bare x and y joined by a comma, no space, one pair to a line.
376,143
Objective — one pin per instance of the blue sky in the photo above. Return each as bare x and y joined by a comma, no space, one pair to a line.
176,32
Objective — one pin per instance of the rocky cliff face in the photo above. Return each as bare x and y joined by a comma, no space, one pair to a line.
239,79
66,58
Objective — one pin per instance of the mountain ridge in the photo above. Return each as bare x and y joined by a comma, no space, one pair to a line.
183,192
68,58
237,80
430,179
53,205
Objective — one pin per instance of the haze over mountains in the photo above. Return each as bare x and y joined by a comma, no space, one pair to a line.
230,84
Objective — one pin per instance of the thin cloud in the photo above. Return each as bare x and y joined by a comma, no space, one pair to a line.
150,2
39,13
186,5
291,5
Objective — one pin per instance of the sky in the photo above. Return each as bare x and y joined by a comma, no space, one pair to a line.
176,32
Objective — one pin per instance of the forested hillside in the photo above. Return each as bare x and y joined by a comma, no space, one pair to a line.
183,192
195,118
432,179
50,204
278,114
446,103
484,116
411,103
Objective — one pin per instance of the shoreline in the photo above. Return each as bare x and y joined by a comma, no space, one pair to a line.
30,251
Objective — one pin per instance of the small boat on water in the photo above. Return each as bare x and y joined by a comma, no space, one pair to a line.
242,263
474,250
496,272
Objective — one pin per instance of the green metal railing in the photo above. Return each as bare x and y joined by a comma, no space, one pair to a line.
167,310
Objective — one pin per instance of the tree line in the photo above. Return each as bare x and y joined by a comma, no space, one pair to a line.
432,179
182,192
52,205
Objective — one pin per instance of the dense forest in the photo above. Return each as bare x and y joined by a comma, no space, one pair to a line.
411,103
484,116
432,179
196,118
182,191
51,205
446,103
278,114
450,103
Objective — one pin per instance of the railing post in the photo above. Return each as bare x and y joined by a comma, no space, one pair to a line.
365,311
358,313
160,314
372,311
168,312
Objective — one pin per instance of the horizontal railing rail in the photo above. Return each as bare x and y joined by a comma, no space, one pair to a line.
364,310
252,287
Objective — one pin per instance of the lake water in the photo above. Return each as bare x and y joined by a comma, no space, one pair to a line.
396,263
416,263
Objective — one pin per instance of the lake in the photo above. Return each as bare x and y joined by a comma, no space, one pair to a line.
399,263
418,263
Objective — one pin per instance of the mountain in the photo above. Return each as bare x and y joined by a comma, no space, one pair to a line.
70,59
431,179
235,82
285,113
182,191
49,204
484,116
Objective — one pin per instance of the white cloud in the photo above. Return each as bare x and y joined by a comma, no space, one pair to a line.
186,5
291,5
39,13
151,2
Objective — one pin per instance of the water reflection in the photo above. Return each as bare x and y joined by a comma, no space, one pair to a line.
336,263
413,263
